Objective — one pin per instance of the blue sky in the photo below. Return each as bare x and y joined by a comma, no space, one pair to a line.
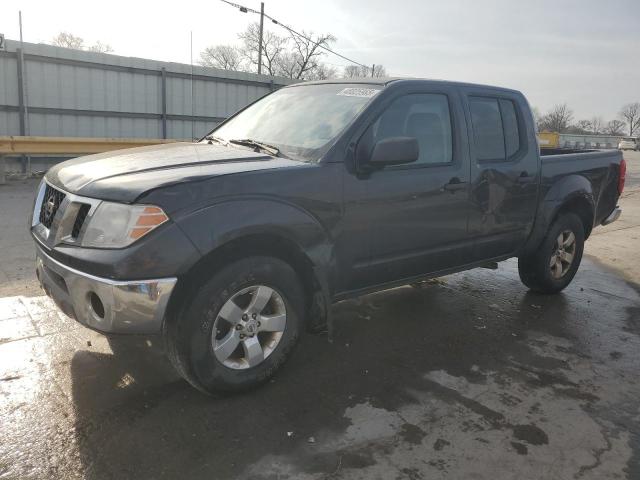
585,53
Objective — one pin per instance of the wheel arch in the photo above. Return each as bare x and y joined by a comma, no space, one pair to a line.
571,194
266,243
582,207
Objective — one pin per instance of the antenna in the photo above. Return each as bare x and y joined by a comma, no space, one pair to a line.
192,119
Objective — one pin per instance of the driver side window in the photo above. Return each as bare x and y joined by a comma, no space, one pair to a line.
425,117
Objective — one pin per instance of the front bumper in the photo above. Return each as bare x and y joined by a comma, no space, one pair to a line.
102,304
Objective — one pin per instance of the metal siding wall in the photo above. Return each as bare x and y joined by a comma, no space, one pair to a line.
182,129
124,89
9,120
8,81
9,123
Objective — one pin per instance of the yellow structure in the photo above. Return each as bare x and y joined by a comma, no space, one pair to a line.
549,139
66,146
70,145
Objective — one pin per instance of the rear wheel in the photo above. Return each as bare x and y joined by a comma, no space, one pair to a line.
240,327
552,267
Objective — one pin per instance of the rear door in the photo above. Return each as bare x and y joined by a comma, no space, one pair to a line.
505,167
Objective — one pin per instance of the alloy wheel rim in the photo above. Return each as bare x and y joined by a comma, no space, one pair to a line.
249,327
563,253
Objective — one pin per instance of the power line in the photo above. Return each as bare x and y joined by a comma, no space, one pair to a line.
291,30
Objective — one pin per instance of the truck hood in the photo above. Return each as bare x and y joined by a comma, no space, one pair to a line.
124,175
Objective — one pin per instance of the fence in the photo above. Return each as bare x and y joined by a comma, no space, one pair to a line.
53,91
589,141
566,140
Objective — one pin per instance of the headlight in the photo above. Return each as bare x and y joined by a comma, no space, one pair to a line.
116,225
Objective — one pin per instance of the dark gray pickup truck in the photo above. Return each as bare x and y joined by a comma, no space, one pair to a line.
231,247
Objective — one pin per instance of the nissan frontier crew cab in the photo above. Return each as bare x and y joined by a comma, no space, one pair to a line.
232,246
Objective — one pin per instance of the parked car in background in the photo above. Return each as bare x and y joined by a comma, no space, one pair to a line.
231,247
629,143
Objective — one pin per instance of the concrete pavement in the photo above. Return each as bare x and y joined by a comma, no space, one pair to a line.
616,245
470,376
17,256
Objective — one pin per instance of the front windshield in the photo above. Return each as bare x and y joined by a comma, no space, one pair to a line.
300,121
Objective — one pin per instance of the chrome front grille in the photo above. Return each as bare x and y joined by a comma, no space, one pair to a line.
51,202
83,211
59,216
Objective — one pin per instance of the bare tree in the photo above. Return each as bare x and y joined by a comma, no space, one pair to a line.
286,65
100,47
323,72
557,119
226,57
631,114
68,40
296,56
379,71
353,71
597,124
359,71
614,127
273,47
307,51
583,126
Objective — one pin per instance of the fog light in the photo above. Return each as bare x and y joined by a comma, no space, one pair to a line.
96,304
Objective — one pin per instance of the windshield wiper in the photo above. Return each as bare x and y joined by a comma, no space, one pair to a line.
247,142
213,138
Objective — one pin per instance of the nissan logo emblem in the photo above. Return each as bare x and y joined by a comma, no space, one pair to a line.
49,207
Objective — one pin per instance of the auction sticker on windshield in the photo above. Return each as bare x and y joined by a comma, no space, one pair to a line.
358,92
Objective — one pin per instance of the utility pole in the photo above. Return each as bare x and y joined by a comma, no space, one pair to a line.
373,69
260,40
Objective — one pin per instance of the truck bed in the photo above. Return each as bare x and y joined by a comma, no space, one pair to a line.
598,170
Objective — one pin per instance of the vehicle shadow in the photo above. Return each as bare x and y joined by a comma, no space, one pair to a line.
136,419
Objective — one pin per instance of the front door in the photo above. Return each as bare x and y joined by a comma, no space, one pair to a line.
416,214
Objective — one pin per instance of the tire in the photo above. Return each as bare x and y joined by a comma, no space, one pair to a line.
540,271
199,356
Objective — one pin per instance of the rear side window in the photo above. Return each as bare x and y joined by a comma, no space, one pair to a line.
495,128
425,117
510,127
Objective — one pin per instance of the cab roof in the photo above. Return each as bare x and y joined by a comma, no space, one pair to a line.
386,81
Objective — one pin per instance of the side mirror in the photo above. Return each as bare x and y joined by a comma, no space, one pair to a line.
395,151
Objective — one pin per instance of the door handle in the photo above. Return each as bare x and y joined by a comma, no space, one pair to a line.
454,185
526,178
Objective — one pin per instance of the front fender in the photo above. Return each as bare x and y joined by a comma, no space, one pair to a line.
570,189
216,225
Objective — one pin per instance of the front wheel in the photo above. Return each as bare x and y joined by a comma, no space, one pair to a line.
552,267
240,327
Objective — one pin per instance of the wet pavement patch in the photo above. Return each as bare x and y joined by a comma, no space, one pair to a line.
531,434
410,388
412,434
520,448
440,444
357,460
